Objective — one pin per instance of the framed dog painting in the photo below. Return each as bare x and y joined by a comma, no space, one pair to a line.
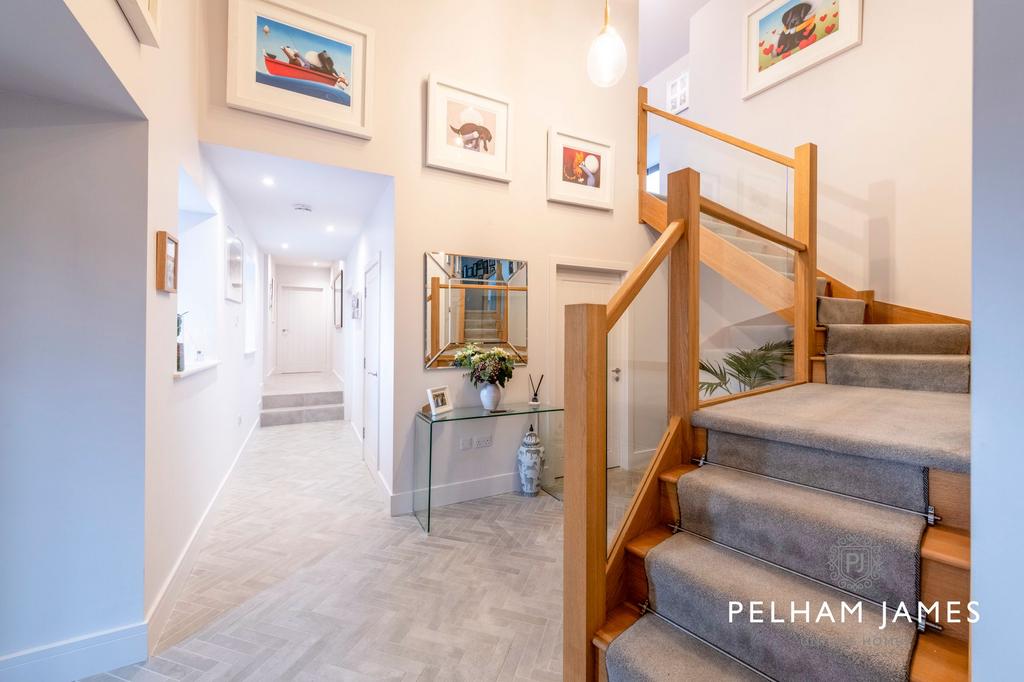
787,37
300,64
581,170
468,131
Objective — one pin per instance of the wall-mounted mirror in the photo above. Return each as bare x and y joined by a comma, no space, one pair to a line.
233,255
473,299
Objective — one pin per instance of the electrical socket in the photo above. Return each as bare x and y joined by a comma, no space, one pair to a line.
466,443
482,442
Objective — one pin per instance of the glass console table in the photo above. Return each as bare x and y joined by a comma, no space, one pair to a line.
546,420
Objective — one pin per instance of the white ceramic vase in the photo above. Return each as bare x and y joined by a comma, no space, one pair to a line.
490,396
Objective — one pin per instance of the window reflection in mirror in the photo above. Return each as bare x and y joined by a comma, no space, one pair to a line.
473,299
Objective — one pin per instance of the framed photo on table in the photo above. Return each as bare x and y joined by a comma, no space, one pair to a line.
440,400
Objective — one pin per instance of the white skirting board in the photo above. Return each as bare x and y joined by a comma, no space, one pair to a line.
76,658
462,491
161,609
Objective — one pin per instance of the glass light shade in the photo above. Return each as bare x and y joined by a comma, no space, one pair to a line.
606,60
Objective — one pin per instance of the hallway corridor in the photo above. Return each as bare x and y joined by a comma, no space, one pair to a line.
304,577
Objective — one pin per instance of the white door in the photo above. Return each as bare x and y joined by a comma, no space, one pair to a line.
302,330
582,285
371,368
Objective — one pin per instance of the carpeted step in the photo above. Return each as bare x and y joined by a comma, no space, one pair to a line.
899,339
840,310
804,530
822,286
948,373
900,485
918,428
651,650
752,245
694,582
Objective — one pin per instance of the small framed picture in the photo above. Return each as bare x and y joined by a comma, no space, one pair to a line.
166,262
581,170
440,400
467,131
677,93
338,286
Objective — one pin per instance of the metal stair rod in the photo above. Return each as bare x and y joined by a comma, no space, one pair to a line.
930,516
646,608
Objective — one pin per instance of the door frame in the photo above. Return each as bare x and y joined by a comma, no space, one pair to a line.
375,263
277,329
622,269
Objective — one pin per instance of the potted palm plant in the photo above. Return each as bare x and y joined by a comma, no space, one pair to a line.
747,369
487,368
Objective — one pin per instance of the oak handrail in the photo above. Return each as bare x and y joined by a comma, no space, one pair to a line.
638,278
716,210
724,137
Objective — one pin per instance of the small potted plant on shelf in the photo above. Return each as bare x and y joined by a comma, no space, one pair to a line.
180,365
490,368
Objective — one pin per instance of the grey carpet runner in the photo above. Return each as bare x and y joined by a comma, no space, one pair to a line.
749,513
694,582
840,310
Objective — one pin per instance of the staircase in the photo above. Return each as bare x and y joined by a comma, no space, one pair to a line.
772,526
793,483
300,408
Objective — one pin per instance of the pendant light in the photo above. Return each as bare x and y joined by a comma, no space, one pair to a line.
606,60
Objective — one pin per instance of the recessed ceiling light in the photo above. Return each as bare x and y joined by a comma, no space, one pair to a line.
285,245
330,228
315,263
268,181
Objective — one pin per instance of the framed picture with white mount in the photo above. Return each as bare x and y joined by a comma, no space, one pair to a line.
677,93
787,37
144,18
468,131
439,399
338,287
301,65
581,170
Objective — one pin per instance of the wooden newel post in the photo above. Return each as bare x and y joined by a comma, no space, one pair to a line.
805,229
641,151
684,302
584,503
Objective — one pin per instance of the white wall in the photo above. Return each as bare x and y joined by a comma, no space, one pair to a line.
996,464
269,270
194,427
892,124
664,33
337,336
310,278
73,265
438,210
375,244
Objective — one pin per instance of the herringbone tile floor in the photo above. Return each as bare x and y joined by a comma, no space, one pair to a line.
304,577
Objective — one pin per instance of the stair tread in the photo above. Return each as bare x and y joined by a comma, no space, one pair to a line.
796,527
913,427
299,408
693,581
672,475
938,658
618,619
652,650
948,546
915,372
646,541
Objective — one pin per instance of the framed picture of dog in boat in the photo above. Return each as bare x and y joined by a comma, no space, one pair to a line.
468,131
581,170
787,37
300,65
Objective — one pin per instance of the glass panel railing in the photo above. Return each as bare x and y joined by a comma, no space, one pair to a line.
637,394
746,311
756,187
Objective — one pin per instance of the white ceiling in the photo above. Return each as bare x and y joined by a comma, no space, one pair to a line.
338,196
